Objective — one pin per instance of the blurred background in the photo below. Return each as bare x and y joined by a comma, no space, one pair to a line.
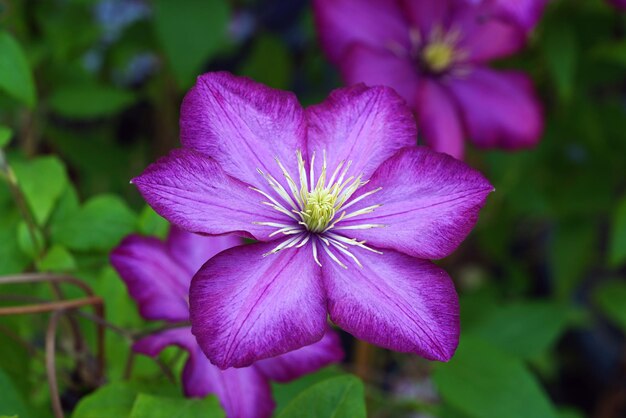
89,96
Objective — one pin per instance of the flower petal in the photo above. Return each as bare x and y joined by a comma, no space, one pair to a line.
193,250
194,193
243,125
247,307
375,23
430,202
365,125
243,393
500,108
425,15
395,301
154,279
525,13
294,364
438,118
375,67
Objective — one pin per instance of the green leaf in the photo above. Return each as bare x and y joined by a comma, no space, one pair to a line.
523,329
614,52
610,297
617,246
339,397
5,136
151,223
12,402
149,406
89,101
12,259
283,393
15,75
112,400
99,225
269,63
42,181
57,260
485,382
561,52
191,32
26,243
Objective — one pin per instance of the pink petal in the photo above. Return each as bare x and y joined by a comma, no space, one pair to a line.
438,118
193,192
294,364
395,301
193,250
430,203
247,307
500,108
243,393
375,67
359,124
525,13
375,23
428,14
157,282
243,125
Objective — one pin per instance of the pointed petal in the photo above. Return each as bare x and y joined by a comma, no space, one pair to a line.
500,108
430,203
194,193
193,250
360,124
375,67
425,15
374,23
243,125
297,363
247,307
157,282
243,393
395,301
439,120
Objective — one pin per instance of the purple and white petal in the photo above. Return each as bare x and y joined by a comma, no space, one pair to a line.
499,108
246,306
439,119
243,393
395,301
154,280
193,192
243,125
430,203
376,23
364,125
294,364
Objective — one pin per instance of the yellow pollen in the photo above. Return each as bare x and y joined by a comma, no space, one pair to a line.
438,56
319,208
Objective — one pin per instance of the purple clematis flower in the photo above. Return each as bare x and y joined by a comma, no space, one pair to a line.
347,210
434,53
619,4
157,275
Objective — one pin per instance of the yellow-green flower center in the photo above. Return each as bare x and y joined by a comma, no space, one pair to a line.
438,56
319,209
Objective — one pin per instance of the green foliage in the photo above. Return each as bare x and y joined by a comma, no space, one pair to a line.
148,406
112,400
16,78
269,63
484,382
283,393
12,402
150,223
5,136
617,245
339,397
610,297
89,101
191,32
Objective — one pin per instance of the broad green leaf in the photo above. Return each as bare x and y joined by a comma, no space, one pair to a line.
99,225
112,400
15,75
11,401
523,329
12,259
42,181
31,242
614,52
149,406
560,51
89,101
339,397
269,63
610,297
5,136
191,32
484,382
151,223
617,246
57,260
283,393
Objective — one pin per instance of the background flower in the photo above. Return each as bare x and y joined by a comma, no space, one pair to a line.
435,54
158,274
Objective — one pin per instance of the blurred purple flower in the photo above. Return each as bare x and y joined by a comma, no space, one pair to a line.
157,275
435,54
620,4
347,210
